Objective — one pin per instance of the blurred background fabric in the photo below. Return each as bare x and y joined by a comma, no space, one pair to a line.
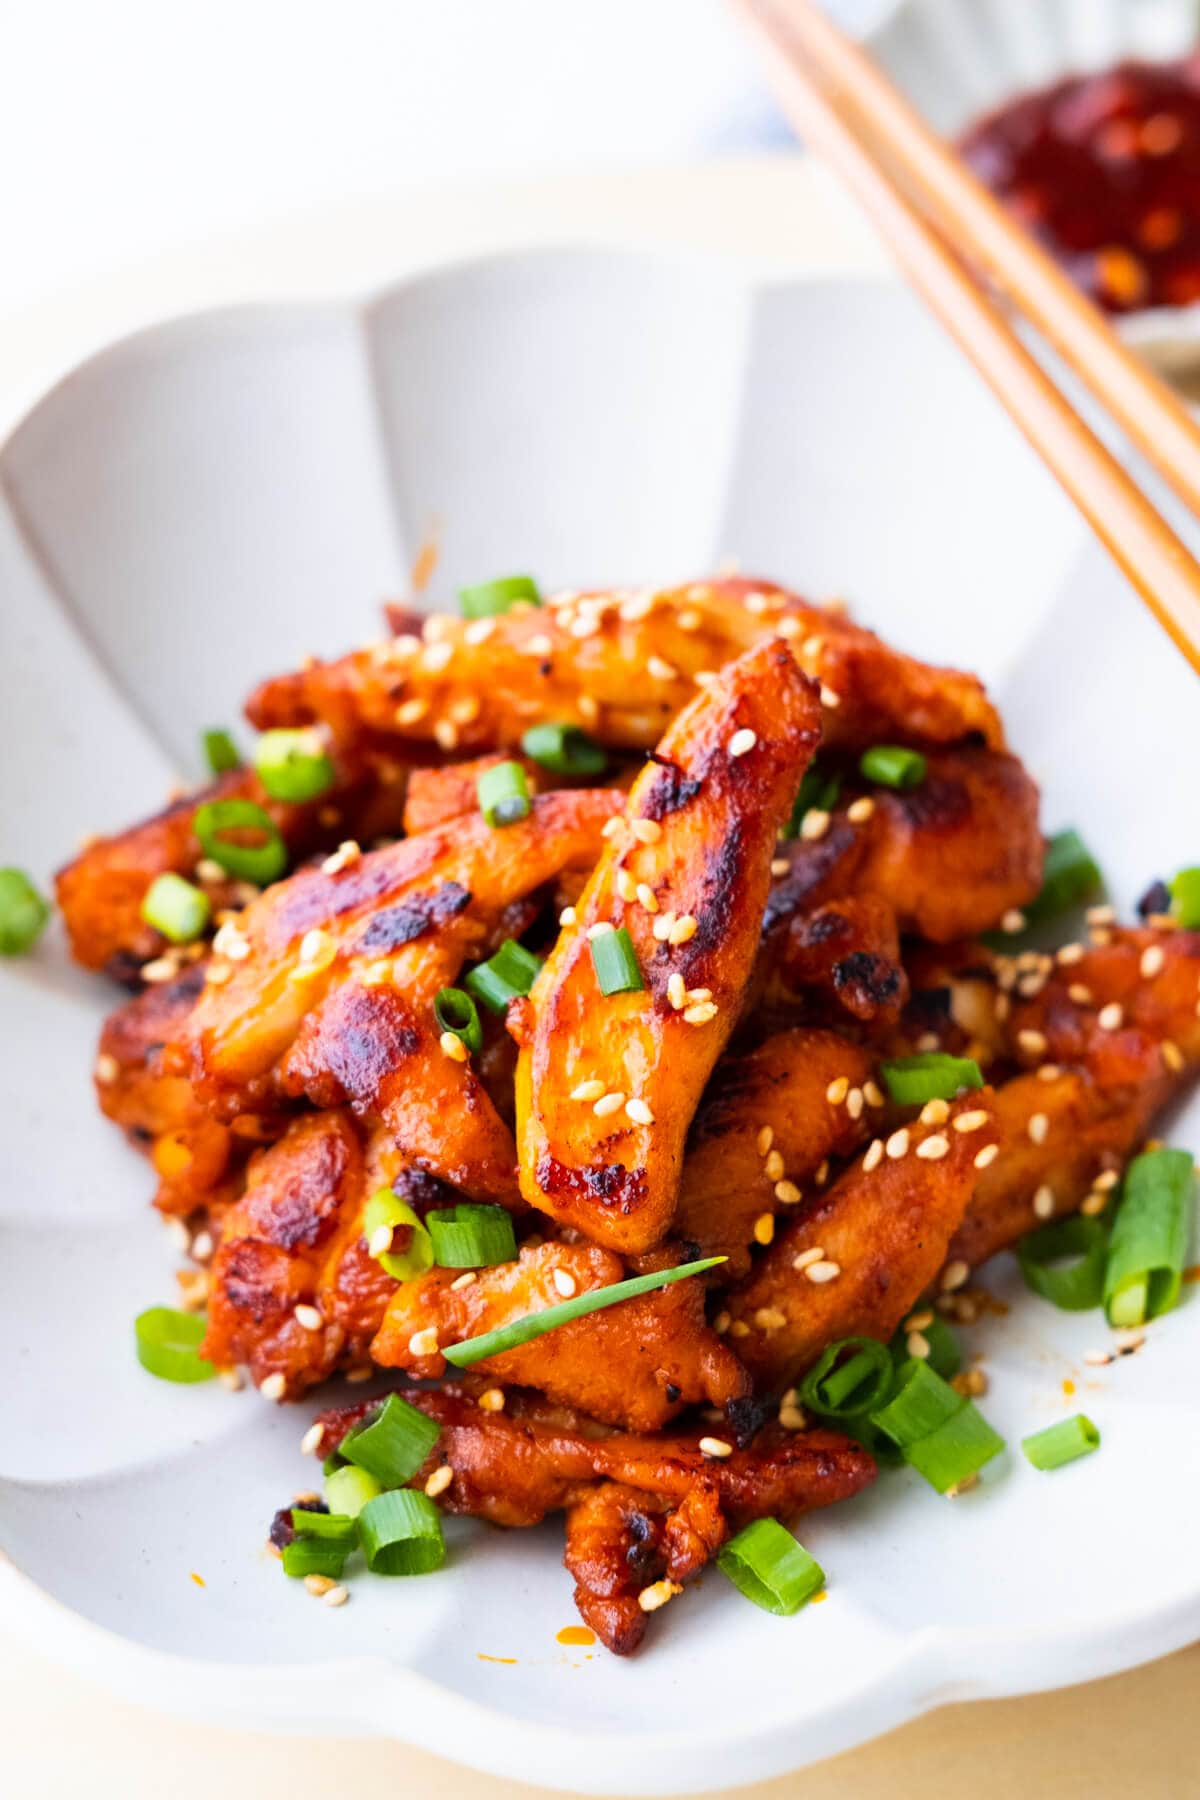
142,126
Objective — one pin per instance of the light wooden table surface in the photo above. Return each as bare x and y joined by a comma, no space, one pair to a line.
64,1737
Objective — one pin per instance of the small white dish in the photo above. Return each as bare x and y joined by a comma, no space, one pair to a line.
210,499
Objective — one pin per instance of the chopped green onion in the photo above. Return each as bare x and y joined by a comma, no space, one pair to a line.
855,1375
767,1565
492,597
818,792
392,1442
335,1528
1061,1443
347,1490
387,1208
945,1354
504,977
260,862
891,765
503,794
168,1344
220,751
535,1325
940,1433
565,749
933,1075
1150,1235
455,1011
1064,1262
615,962
314,1556
176,908
471,1236
1185,898
293,765
402,1534
23,913
1069,877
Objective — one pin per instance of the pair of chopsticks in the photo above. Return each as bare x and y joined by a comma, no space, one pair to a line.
947,233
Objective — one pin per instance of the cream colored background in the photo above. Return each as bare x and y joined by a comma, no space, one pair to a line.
63,1737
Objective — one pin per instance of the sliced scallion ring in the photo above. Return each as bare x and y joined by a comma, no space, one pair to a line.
471,1236
1150,1234
455,1011
1184,889
767,1565
176,908
314,1556
387,1208
503,794
932,1075
616,962
168,1344
401,1534
893,766
220,752
335,1528
489,598
504,977
392,1442
1064,1262
348,1488
938,1431
852,1376
23,913
1069,877
564,749
293,766
262,861
1062,1443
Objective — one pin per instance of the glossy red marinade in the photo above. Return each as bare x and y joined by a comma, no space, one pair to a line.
1105,171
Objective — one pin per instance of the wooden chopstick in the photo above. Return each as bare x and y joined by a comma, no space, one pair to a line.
817,73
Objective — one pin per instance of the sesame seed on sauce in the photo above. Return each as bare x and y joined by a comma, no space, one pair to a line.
465,1280
1038,1127
273,1387
814,824
954,1275
932,1149
1109,1017
310,1443
639,1112
860,810
647,831
874,1155
1080,993
765,1139
492,1399
677,992
424,1342
308,1316
608,1104
451,1045
1172,1056
683,930
742,742
1013,920
715,1447
657,1594
821,1272
700,1014
661,670
380,1240
564,1283
780,866
764,1228
647,897
917,1344
800,1262
773,1165
567,916
439,1481
971,1121
837,1090
1043,1202
897,1144
829,699
106,1069
855,1103
986,1156
1067,954
935,1112
599,928
787,1193
625,885
1153,958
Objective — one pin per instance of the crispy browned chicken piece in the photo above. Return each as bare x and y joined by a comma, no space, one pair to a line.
950,857
620,664
607,1084
765,1126
1116,1035
847,951
102,890
636,1364
881,1232
325,988
516,1466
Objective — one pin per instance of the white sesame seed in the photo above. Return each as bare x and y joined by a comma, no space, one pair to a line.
439,1481
647,897
715,1447
452,1046
1107,1181
465,1280
790,627
380,1241
612,828
860,810
806,1258
435,657
764,1229
1039,1125
1069,953
917,1344
1049,1072
639,1112
314,945
567,916
564,1283
273,1387
1013,920
1100,915
310,1443
588,1090
625,885
814,824
608,1104
837,1090
722,1322
765,1139
874,1156
773,1166
424,1342
821,1272
479,631
657,1594
159,969
699,1014
742,741
1152,960
928,1040
1080,993
683,930
872,1094
897,1144
932,1149
646,831
987,1155
787,1193
1109,1017
705,678
780,866
538,645
1092,1204
337,1595
1043,1202
1033,1043
677,991
954,1275
308,1316
935,1112
319,1585
689,619
830,700
492,1399
661,670
1172,1056
599,929
106,1069
971,1121
855,1103
812,646
1096,1359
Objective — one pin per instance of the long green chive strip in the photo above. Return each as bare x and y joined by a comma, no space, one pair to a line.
945,1354
890,765
492,597
293,765
504,977
1069,877
471,1236
401,1534
1064,1262
767,1565
262,861
1185,898
314,1556
347,1490
384,1211
855,1375
818,792
535,1325
176,908
565,749
220,752
168,1344
1061,1443
455,1011
939,1432
933,1075
23,913
503,794
335,1528
615,962
1150,1235
392,1442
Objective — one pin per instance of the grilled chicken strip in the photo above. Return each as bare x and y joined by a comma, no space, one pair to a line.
607,1084
325,988
950,857
765,1126
102,890
620,664
869,1246
636,1364
516,1466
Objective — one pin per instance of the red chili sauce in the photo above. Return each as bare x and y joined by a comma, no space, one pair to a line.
1105,172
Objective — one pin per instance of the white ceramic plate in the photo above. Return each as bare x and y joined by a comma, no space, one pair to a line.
211,499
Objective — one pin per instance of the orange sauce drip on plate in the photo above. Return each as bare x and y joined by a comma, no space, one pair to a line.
575,1634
